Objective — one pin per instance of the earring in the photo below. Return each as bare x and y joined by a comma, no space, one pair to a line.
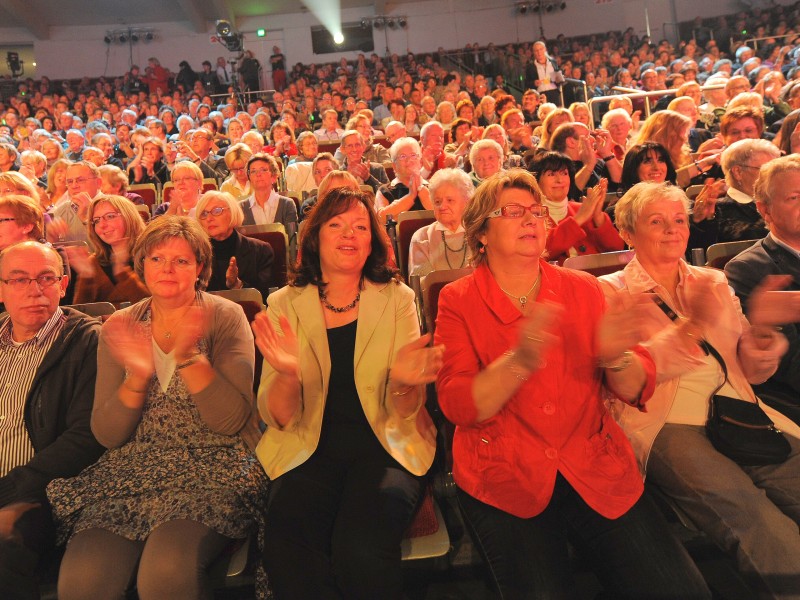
482,250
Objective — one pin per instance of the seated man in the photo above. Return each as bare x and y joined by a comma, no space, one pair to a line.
265,205
367,173
575,141
48,364
778,253
83,185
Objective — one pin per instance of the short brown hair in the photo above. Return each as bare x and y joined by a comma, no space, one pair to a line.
727,120
485,201
336,202
168,227
26,211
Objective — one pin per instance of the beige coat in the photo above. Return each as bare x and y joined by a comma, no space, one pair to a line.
386,322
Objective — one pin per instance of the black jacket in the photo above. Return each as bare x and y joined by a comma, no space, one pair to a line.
58,410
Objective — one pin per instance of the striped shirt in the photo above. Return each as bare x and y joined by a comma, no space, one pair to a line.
18,365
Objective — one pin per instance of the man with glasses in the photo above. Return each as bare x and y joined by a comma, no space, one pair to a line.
83,185
265,205
199,152
48,365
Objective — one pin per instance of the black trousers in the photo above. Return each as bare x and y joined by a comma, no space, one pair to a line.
33,535
334,527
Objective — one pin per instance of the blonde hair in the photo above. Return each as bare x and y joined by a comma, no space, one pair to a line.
666,127
115,176
237,216
169,227
629,208
130,216
26,211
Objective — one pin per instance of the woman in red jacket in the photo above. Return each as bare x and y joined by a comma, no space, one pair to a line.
538,459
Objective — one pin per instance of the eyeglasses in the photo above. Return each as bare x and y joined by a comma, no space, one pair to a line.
43,281
517,211
259,171
7,219
748,166
159,262
184,179
238,169
405,157
216,211
78,181
108,217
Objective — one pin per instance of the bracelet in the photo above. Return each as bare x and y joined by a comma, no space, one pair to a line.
188,362
697,166
609,157
622,362
408,389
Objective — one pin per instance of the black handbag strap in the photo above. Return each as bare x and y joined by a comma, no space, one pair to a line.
704,344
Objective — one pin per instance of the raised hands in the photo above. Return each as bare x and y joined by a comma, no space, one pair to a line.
417,363
705,204
79,260
620,329
536,335
279,349
232,274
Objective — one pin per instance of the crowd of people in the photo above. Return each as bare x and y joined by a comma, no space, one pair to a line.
140,446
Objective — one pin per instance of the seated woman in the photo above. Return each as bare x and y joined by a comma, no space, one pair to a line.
237,184
238,261
577,228
173,404
734,216
114,182
281,141
57,183
107,275
407,191
648,161
298,175
671,130
751,512
188,180
441,245
537,458
349,440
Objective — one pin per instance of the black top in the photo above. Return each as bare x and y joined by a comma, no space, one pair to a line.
732,222
222,251
394,192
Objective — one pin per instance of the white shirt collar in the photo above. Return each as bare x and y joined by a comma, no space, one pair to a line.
739,196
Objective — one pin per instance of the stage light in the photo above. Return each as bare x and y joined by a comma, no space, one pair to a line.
522,8
134,37
403,22
108,39
123,37
223,28
338,38
391,23
148,37
378,23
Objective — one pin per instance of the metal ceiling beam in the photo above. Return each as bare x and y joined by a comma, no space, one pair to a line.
32,21
223,11
195,14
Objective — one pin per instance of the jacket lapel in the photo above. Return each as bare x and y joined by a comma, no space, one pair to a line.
312,323
370,310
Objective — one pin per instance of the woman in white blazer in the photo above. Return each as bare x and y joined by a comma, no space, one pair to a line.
348,441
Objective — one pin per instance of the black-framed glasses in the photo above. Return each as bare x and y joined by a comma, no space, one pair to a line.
108,217
7,219
517,211
215,212
43,281
78,181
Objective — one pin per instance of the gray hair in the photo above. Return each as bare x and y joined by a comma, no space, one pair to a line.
630,207
615,112
401,143
766,183
482,145
455,177
741,152
425,128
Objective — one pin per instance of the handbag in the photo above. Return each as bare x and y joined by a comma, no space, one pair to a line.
739,429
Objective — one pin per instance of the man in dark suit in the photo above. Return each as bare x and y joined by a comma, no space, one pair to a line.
777,194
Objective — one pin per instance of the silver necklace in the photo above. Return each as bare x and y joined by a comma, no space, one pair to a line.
463,250
523,300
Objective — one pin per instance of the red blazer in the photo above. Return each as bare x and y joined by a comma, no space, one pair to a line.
586,239
556,422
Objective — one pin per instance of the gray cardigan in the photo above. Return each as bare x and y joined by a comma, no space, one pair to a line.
226,405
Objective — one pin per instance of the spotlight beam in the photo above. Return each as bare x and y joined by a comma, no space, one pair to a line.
329,14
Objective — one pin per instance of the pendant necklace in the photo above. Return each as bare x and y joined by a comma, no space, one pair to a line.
523,300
